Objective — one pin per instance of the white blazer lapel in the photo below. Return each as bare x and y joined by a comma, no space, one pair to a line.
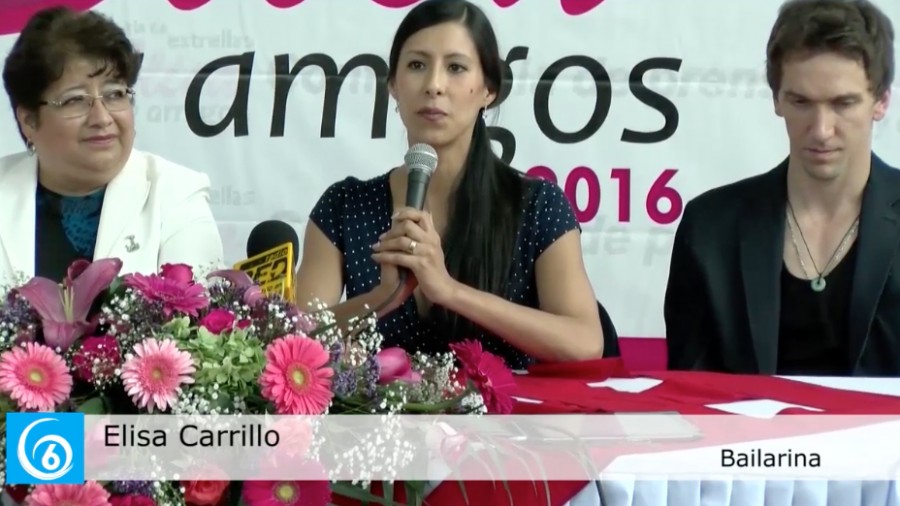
123,202
18,184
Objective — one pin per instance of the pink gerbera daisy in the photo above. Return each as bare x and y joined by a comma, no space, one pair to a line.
154,374
175,294
295,377
89,494
287,493
35,376
488,373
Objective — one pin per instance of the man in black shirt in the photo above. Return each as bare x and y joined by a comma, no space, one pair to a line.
796,271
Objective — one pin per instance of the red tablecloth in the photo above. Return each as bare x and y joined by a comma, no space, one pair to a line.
563,389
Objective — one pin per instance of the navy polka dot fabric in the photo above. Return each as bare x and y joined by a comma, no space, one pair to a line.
353,213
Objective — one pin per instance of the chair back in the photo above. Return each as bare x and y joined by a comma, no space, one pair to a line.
610,336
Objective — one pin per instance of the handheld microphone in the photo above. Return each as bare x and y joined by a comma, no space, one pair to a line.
272,257
421,161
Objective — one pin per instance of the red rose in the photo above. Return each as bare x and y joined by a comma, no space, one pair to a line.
17,492
179,273
204,493
131,500
97,358
218,320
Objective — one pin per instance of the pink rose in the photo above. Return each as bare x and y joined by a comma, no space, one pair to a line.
131,500
179,273
218,320
204,492
394,364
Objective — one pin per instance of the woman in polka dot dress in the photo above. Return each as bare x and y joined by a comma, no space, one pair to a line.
495,255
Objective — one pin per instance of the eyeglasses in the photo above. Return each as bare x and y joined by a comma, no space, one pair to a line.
80,105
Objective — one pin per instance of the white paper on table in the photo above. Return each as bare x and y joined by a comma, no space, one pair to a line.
758,408
629,385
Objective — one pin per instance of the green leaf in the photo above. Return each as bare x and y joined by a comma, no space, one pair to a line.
415,492
493,456
179,328
582,453
537,462
116,285
462,488
6,404
388,488
92,406
469,455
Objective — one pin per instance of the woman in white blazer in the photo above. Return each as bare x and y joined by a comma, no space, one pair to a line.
81,190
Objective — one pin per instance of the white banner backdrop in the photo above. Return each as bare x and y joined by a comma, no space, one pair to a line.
634,107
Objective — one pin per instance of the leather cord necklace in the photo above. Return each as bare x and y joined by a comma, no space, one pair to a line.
818,282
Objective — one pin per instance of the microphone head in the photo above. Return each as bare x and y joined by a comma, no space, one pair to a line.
421,157
271,234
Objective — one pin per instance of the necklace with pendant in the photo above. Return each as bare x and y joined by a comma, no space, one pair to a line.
818,282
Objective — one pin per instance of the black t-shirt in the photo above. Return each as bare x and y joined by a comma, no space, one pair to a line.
813,338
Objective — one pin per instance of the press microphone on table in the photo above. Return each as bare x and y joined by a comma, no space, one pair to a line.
421,160
272,257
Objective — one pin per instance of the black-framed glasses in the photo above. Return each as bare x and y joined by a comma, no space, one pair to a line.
76,106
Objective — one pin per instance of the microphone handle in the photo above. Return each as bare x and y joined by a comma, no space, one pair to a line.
387,301
416,188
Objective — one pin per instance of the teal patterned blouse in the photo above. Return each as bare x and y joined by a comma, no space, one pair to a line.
65,230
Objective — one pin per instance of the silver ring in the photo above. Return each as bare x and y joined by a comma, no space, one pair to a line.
412,247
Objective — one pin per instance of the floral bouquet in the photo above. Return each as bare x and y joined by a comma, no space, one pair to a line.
173,343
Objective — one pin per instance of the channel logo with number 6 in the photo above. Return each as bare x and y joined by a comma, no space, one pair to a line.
44,448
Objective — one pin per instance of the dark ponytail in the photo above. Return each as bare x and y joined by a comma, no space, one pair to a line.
484,216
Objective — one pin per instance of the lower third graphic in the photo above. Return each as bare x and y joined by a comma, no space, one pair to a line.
44,448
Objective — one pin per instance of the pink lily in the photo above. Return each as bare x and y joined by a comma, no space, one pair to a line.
64,308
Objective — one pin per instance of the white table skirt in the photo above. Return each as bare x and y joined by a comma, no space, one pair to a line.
726,492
